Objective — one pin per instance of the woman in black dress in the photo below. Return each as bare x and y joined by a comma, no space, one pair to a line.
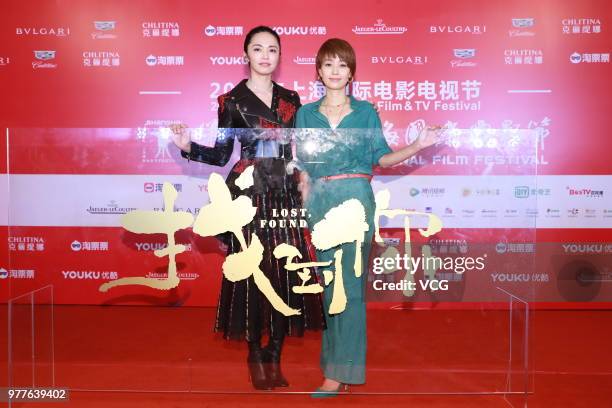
243,312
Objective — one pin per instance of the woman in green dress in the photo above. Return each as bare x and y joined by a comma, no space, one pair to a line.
338,167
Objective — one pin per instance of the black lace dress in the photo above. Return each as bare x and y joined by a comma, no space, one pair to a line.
243,312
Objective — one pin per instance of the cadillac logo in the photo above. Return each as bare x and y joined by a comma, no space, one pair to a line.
44,55
523,22
104,25
464,52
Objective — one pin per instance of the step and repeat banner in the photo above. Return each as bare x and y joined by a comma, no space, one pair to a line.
90,89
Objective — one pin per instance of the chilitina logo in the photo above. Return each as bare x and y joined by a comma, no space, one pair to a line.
379,28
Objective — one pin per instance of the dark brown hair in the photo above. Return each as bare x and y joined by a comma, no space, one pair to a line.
337,47
257,30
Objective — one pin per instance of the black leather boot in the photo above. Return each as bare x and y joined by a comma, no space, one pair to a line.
257,370
272,354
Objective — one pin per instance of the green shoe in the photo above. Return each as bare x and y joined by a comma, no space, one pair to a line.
320,393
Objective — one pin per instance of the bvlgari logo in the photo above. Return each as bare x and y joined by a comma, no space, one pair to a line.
103,30
379,28
400,59
44,31
459,29
43,57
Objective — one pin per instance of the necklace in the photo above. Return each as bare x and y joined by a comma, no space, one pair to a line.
335,106
338,117
255,89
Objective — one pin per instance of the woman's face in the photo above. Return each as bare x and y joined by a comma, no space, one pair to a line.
334,73
263,53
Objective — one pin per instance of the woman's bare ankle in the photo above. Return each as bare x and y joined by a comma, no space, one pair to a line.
330,385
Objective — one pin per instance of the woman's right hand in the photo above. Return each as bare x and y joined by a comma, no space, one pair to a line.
180,137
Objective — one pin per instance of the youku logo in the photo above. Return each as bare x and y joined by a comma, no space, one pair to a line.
580,248
379,28
103,30
463,54
90,275
156,246
521,27
43,57
300,30
44,31
228,60
3,273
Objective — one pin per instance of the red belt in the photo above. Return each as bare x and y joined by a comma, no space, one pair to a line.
347,176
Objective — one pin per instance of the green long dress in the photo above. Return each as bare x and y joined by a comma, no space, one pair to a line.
351,150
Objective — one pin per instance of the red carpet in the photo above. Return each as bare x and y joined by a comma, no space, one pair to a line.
172,351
